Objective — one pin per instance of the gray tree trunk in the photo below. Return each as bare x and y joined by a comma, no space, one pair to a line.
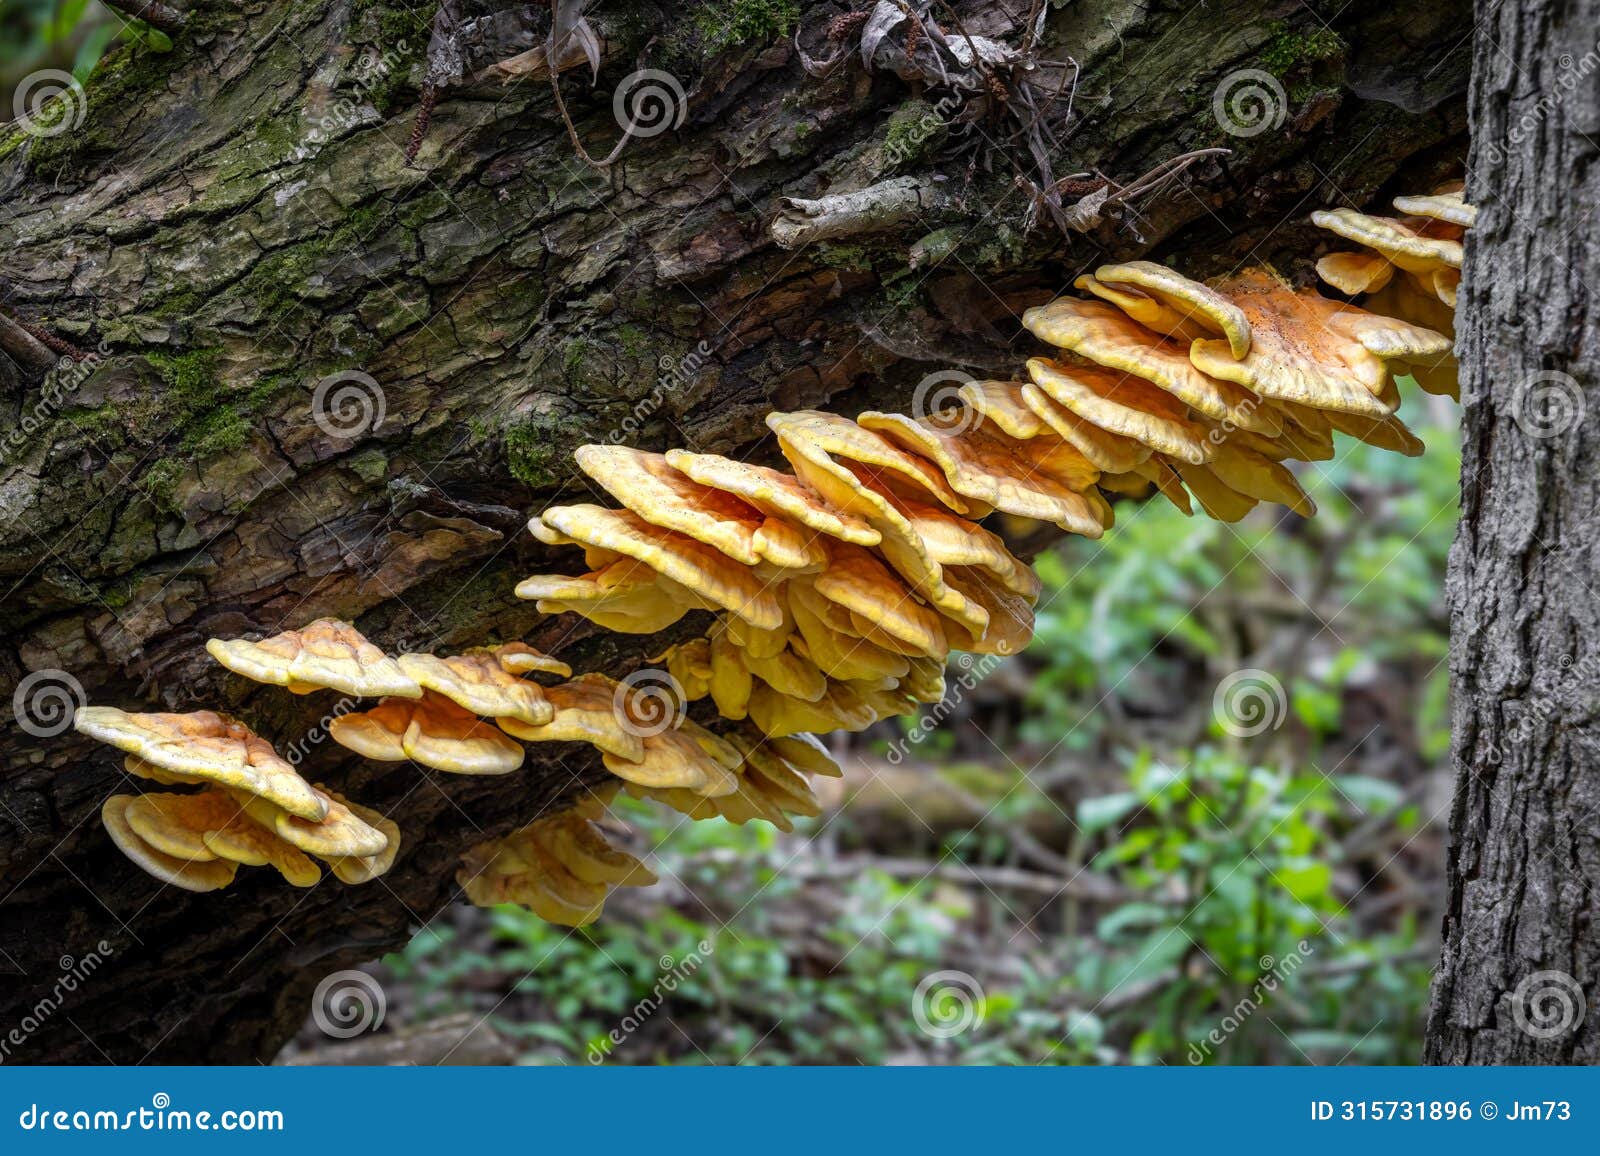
234,222
1521,960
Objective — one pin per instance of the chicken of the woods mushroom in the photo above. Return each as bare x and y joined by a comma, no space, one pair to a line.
838,589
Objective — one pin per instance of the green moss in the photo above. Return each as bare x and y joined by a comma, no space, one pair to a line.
718,24
160,480
208,420
1289,51
913,131
853,257
534,453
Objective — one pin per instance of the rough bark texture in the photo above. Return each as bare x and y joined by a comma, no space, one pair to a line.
234,220
1521,954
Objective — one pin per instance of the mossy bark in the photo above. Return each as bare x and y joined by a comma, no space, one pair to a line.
234,221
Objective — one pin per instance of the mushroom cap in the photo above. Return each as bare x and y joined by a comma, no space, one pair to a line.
583,849
1389,433
589,709
905,551
1187,305
325,653
1167,483
683,756
176,825
663,496
1001,402
479,682
1257,476
690,663
432,731
984,464
1216,498
758,643
626,595
1445,205
1123,404
806,753
951,540
1299,351
767,769
1355,272
705,570
836,649
775,494
341,834
209,875
520,658
1010,615
252,845
1416,245
356,869
730,682
204,745
1107,451
812,440
791,673
859,582
1104,335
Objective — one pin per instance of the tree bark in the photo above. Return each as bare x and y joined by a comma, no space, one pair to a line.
234,222
1520,973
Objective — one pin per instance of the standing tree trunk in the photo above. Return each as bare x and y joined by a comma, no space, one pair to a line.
234,228
1520,975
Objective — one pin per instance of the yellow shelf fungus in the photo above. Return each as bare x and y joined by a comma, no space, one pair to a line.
838,589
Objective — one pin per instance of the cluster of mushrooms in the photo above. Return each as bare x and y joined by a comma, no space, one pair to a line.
838,590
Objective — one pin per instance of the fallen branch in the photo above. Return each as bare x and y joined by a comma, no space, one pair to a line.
879,208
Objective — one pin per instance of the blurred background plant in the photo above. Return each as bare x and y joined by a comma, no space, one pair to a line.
1114,872
67,34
